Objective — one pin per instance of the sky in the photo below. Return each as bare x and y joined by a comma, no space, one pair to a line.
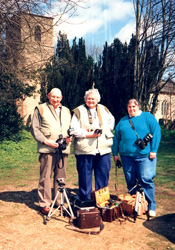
100,21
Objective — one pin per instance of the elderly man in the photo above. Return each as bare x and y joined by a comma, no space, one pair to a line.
50,120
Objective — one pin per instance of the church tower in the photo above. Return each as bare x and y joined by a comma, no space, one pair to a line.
30,42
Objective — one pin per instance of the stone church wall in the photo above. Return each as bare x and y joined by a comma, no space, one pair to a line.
31,42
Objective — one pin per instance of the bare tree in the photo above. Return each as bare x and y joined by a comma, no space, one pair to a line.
26,44
14,12
155,37
94,51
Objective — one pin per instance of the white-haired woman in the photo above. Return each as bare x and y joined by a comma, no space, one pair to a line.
93,124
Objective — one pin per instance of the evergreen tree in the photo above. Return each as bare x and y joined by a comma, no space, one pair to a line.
113,83
73,72
70,70
11,89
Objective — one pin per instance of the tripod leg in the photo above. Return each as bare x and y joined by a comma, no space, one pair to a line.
67,200
136,207
139,204
145,206
50,212
61,206
62,203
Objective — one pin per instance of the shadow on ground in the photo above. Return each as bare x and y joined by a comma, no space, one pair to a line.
23,197
163,225
27,198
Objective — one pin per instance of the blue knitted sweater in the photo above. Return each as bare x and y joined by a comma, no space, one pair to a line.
125,137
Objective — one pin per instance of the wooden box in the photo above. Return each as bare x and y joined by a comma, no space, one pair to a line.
128,204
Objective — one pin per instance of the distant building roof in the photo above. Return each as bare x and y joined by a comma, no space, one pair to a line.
169,87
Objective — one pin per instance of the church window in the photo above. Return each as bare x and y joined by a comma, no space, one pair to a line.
164,108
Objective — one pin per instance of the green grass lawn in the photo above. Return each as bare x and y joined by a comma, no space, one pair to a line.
19,162
166,163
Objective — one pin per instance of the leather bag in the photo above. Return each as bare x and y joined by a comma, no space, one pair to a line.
88,218
110,210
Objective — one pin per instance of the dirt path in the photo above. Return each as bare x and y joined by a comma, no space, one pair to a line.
22,226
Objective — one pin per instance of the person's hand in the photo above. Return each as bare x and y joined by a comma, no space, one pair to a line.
152,155
51,143
96,135
92,135
116,158
68,139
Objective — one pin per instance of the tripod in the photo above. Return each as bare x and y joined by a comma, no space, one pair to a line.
139,194
62,191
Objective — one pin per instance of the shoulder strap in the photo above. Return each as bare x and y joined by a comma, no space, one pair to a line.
119,214
77,113
132,126
99,116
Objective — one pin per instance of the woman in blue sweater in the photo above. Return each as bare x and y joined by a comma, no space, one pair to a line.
138,158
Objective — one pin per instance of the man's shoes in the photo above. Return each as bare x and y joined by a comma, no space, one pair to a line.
44,210
152,213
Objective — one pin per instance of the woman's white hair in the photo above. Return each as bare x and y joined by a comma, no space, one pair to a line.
92,91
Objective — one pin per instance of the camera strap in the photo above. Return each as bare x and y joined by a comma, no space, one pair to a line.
60,164
117,165
132,126
89,115
98,114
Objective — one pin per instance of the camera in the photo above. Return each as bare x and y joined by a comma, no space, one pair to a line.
143,143
98,131
118,164
70,132
61,182
62,141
